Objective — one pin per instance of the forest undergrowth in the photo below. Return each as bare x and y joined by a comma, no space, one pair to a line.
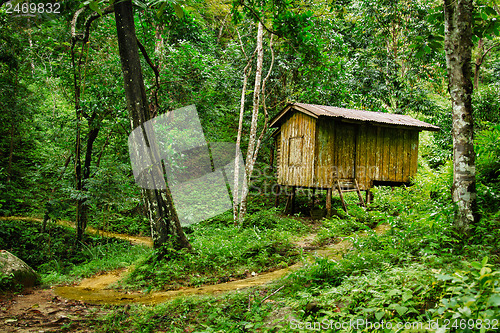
420,271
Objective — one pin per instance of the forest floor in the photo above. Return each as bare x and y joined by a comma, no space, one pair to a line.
75,308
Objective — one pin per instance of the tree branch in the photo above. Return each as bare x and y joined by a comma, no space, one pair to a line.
88,22
488,50
254,14
148,60
154,68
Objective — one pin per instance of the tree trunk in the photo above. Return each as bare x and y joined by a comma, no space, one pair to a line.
81,215
165,225
479,61
246,74
255,117
11,152
458,48
481,54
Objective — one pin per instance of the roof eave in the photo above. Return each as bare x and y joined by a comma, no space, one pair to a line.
275,121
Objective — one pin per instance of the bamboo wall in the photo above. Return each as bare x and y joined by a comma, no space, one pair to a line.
385,154
312,152
297,150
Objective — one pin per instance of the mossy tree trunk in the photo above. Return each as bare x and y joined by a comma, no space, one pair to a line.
458,48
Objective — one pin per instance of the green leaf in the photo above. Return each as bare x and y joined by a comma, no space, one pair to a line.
490,11
179,11
160,11
394,292
484,261
95,7
444,277
466,311
379,315
401,309
476,265
407,295
494,300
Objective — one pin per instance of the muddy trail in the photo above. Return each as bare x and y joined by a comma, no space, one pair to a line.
97,289
137,240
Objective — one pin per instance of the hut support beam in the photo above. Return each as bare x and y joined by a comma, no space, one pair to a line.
369,196
277,191
290,204
329,202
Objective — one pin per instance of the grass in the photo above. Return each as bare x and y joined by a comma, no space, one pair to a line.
59,257
223,252
101,258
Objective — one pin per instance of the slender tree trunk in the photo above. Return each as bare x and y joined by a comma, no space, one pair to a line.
482,53
81,216
246,73
255,117
11,151
12,133
458,48
165,225
479,60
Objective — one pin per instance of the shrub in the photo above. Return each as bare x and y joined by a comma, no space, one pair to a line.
471,298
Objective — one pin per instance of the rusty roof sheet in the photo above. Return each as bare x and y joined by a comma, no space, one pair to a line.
356,115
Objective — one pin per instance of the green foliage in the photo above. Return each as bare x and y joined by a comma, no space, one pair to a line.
397,294
7,282
342,226
57,256
486,103
271,219
222,253
470,295
488,165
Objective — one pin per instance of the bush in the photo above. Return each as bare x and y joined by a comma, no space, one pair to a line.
471,297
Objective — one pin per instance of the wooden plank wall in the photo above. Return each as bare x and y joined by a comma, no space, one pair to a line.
345,149
311,150
325,138
385,154
278,156
297,150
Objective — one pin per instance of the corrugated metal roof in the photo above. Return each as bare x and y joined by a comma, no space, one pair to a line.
356,115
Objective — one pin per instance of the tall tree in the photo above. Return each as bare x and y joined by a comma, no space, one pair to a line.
458,48
253,141
165,225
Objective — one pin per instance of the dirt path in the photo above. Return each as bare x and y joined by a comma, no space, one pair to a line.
39,310
95,290
137,240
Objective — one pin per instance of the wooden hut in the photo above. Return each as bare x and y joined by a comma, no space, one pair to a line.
326,147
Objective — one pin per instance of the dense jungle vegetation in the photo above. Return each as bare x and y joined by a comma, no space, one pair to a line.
64,156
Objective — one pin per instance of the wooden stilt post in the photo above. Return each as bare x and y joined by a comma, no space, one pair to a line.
329,202
313,198
369,196
292,197
288,200
361,202
277,191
